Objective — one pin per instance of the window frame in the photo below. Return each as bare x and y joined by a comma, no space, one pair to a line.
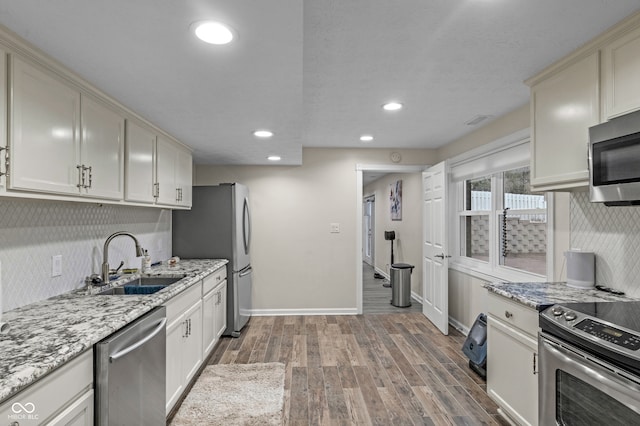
491,270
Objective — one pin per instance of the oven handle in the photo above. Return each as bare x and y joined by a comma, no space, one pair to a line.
595,369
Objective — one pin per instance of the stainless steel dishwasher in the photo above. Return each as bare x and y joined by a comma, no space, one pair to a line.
130,373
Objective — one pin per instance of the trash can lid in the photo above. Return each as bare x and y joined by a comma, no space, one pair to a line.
402,266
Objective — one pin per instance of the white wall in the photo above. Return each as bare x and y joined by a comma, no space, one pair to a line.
299,266
408,243
32,231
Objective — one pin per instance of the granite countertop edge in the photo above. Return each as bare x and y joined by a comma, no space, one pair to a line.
45,335
541,295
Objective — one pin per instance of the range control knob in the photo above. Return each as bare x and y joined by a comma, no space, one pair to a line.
570,315
557,311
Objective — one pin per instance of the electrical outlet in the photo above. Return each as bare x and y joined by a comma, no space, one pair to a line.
335,228
56,265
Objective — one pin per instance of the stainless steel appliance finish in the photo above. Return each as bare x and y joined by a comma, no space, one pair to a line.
589,364
219,226
130,373
614,161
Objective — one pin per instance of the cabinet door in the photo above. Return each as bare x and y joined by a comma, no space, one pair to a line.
511,380
102,150
166,162
221,310
44,132
208,321
80,413
184,176
563,107
176,333
192,348
3,118
139,163
621,68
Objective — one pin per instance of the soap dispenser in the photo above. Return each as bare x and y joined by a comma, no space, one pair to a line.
146,261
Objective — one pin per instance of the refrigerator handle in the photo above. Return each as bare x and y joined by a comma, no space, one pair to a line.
246,271
246,226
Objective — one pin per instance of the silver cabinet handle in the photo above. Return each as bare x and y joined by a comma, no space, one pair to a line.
90,178
508,314
80,176
6,160
120,354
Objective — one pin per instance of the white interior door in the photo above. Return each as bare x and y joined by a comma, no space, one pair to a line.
435,262
368,222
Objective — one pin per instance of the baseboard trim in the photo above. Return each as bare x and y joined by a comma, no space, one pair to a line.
416,297
459,326
310,311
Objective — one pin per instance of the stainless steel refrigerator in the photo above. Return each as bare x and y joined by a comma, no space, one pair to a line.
218,226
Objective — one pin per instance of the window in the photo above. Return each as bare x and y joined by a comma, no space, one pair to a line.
502,224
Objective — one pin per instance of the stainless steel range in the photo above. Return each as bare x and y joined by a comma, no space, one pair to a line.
590,364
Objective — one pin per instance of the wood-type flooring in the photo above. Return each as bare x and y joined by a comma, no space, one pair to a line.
372,369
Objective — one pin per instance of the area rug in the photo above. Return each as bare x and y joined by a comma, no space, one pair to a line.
235,394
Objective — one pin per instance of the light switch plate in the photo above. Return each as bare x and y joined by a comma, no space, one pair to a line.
56,265
335,228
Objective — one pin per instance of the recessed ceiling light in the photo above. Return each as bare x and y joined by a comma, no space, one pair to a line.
274,158
263,133
366,138
213,32
392,106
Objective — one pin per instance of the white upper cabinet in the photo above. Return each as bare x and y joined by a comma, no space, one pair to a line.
139,163
44,132
166,164
184,177
563,107
158,170
174,174
620,72
62,141
102,150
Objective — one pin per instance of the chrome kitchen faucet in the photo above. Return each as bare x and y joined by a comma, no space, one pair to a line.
105,253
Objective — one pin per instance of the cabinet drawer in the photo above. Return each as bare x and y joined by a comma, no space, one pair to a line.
211,281
183,301
514,314
53,393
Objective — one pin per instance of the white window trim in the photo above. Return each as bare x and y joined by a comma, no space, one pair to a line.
485,157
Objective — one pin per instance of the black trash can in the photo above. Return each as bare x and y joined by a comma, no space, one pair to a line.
401,284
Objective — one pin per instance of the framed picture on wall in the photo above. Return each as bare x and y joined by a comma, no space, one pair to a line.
395,200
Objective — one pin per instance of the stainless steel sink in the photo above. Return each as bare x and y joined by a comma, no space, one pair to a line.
142,285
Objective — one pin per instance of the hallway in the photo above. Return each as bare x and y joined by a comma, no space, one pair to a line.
376,298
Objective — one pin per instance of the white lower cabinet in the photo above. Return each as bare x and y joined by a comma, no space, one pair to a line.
184,341
64,397
214,301
512,351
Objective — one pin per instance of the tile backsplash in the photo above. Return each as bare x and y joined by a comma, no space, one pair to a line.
32,231
613,234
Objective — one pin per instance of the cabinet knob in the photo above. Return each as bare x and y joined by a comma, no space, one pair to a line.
508,314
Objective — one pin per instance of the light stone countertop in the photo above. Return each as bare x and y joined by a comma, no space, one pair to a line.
47,334
540,295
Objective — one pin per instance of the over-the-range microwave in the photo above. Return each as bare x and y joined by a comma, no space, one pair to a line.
614,161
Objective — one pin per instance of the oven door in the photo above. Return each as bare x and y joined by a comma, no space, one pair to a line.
576,388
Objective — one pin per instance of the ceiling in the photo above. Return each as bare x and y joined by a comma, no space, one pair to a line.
315,72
